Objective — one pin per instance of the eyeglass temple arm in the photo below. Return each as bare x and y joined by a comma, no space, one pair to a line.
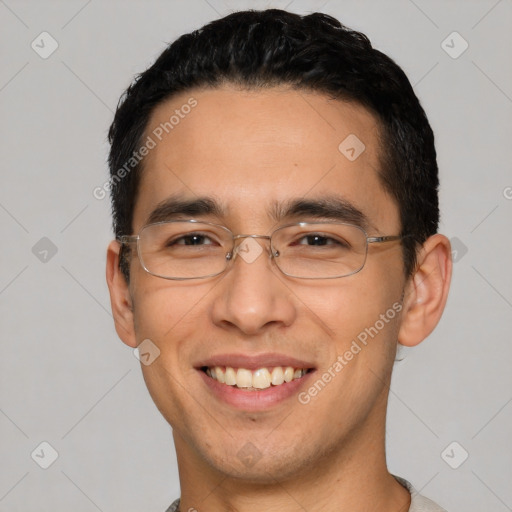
128,239
379,239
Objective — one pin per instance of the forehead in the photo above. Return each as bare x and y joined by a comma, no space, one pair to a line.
252,150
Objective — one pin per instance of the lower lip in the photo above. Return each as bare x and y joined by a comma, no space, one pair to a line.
255,400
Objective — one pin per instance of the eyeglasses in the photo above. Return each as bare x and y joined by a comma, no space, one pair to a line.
190,249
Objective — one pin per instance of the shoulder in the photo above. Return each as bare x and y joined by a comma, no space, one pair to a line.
174,506
418,502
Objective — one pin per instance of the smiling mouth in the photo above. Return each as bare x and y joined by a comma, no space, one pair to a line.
256,380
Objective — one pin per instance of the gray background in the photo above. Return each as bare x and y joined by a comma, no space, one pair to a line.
68,380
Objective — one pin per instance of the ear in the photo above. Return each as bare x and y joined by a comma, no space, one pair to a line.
427,291
120,298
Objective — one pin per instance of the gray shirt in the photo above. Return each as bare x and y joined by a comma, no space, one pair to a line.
418,502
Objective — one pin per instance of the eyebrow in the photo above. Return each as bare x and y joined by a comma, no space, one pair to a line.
330,208
176,206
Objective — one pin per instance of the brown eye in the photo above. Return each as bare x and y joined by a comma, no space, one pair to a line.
319,240
191,239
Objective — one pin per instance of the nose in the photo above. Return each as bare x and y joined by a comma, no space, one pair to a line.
252,296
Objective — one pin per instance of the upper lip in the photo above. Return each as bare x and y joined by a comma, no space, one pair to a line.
253,362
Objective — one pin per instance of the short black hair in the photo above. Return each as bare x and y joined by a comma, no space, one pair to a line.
315,52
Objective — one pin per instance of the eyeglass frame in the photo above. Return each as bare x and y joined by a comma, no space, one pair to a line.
130,239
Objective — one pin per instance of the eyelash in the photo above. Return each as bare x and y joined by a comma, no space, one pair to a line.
189,236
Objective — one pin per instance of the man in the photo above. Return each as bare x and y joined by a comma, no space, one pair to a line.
274,187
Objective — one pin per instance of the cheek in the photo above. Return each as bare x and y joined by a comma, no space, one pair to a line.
363,316
348,307
169,315
162,306
358,354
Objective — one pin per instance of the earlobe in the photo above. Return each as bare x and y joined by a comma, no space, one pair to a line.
120,298
427,291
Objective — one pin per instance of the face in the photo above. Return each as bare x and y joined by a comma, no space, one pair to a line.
249,151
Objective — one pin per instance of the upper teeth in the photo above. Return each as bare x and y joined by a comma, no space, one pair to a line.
260,379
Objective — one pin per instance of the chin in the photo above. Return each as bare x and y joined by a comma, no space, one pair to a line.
243,461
